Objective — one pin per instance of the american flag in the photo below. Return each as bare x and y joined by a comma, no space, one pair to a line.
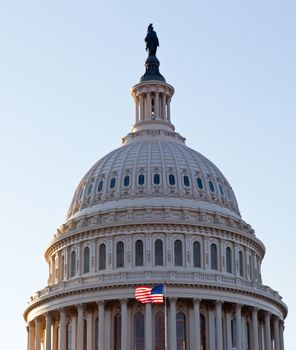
145,294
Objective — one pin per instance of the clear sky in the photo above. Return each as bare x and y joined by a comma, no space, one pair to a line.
66,68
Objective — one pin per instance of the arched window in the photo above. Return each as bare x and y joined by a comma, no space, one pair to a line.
113,182
159,331
139,253
186,181
211,185
89,189
241,263
228,260
117,332
100,186
73,264
69,336
120,254
178,253
158,252
141,180
214,257
102,257
156,179
199,183
172,180
139,331
221,190
181,331
86,260
126,181
196,254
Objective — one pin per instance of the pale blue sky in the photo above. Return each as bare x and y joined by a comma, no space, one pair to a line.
66,68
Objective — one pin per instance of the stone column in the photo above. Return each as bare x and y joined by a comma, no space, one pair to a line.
238,319
48,320
74,332
80,327
156,107
89,320
124,328
37,334
267,333
255,337
101,321
148,105
137,108
228,331
163,114
172,330
62,330
31,335
281,331
276,334
169,109
212,335
148,327
196,323
219,324
141,107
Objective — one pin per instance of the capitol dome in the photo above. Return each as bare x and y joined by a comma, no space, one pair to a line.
153,168
155,212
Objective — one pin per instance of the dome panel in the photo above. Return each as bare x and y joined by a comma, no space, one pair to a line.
183,173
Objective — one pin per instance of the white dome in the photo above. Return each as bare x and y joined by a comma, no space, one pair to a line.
153,168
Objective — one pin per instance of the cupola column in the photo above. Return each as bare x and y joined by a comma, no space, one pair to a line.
163,107
137,108
156,112
276,334
141,107
74,331
281,331
31,336
169,109
37,334
148,105
228,331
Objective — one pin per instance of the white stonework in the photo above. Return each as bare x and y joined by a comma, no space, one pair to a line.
155,211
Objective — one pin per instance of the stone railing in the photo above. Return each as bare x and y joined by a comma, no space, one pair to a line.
126,278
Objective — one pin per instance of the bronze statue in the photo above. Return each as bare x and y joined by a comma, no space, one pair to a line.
151,41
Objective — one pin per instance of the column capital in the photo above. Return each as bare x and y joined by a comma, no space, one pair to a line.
196,301
123,301
219,302
79,306
239,306
100,303
173,300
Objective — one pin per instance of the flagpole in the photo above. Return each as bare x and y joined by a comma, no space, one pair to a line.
165,320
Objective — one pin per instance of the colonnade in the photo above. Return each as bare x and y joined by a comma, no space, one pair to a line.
152,105
210,325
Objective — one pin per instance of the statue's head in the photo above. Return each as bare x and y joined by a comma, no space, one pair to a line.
150,27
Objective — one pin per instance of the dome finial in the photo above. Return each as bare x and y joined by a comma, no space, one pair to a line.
152,63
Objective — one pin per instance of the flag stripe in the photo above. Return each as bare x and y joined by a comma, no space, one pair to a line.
145,294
